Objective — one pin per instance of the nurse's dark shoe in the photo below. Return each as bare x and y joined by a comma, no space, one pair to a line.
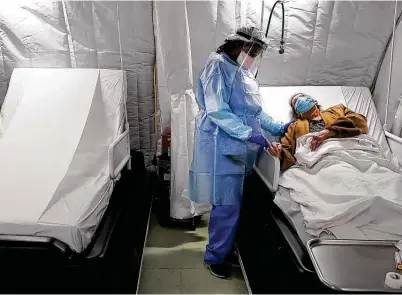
232,259
222,271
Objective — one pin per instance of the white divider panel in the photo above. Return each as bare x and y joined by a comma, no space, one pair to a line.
41,139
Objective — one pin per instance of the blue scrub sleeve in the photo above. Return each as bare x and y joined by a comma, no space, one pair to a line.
268,124
218,111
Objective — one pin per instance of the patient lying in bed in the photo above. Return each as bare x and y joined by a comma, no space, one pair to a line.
347,187
337,121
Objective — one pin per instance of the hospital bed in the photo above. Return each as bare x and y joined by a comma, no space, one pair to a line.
73,213
275,250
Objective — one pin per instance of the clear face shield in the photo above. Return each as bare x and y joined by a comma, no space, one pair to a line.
250,56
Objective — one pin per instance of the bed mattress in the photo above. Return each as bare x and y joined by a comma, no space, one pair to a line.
276,102
57,126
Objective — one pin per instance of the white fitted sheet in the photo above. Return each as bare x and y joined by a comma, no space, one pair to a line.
276,102
57,126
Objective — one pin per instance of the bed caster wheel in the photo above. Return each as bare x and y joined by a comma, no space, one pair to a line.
194,222
164,221
193,227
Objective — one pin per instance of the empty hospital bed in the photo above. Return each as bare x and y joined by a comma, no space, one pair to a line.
274,247
73,213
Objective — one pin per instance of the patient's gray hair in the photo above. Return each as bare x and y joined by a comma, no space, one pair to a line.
291,105
296,94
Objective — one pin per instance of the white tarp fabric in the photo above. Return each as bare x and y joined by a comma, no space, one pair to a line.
381,86
61,122
346,186
176,79
84,34
359,99
326,43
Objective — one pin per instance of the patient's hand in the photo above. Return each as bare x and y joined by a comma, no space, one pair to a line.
275,149
320,137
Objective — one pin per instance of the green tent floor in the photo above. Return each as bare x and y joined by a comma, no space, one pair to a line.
173,263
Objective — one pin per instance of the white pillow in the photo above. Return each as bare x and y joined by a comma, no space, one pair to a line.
276,100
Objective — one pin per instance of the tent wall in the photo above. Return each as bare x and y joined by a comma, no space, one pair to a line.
84,34
381,86
326,43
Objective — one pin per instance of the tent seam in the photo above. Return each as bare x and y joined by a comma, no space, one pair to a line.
285,38
71,50
94,38
329,31
312,45
383,56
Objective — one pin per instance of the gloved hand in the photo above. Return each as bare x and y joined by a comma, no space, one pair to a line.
257,138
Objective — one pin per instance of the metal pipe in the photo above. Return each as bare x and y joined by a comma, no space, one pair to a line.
281,49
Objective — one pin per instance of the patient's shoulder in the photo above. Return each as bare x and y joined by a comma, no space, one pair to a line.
338,109
292,125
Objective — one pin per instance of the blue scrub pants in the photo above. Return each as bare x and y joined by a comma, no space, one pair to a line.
222,231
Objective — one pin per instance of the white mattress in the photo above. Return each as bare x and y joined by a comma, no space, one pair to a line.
57,125
276,102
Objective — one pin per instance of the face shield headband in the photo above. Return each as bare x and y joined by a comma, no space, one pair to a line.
254,45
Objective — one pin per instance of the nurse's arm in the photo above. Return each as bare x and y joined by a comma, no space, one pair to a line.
270,125
219,112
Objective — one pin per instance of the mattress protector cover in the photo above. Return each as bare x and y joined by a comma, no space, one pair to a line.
57,126
276,102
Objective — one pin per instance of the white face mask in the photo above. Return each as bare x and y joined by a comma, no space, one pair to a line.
245,60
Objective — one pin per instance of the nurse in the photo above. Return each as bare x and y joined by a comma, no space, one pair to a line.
227,139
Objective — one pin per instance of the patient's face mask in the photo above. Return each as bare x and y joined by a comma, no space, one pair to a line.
304,104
